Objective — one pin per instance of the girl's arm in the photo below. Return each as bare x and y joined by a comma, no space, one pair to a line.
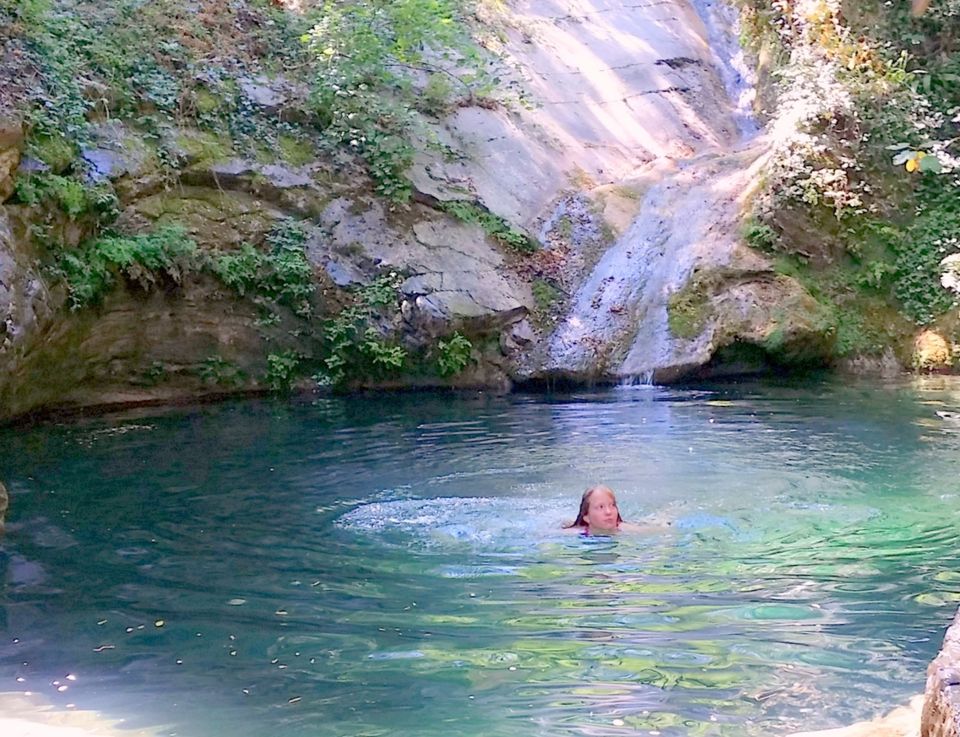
633,527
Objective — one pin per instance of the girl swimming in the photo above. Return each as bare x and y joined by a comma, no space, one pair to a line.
599,513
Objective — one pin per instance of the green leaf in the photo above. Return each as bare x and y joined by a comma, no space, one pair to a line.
930,163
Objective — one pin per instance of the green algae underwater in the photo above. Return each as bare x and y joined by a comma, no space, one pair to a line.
394,564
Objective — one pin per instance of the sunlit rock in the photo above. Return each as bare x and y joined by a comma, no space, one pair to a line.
904,721
941,710
11,140
931,352
950,278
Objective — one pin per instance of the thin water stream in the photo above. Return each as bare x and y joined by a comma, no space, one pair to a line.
393,565
617,324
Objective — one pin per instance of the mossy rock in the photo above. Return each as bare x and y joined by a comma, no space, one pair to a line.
55,151
213,218
728,306
207,102
202,147
296,151
688,309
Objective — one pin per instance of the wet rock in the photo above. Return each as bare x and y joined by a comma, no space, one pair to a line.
941,709
283,178
456,274
202,341
187,147
27,310
122,156
344,274
25,303
885,365
117,152
522,334
455,277
290,189
30,165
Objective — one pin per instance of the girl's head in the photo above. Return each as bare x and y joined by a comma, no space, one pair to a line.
598,509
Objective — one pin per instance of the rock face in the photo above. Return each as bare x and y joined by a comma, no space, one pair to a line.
629,120
941,709
677,288
613,88
931,352
197,337
11,139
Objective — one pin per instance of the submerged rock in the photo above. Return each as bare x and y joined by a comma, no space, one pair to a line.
904,721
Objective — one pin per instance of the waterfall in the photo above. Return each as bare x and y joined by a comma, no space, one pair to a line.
617,325
739,79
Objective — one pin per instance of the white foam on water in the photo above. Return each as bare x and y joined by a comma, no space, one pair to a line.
493,525
29,715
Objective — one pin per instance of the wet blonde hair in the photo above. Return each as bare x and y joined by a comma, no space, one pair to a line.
585,505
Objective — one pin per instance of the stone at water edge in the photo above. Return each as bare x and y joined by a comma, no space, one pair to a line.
904,721
931,352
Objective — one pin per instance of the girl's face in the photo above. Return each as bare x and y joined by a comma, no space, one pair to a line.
602,513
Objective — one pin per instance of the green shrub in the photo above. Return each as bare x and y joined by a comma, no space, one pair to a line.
879,93
217,370
91,271
282,370
545,294
688,309
362,93
70,195
493,225
437,95
154,374
240,269
354,348
453,354
280,273
289,275
933,235
759,235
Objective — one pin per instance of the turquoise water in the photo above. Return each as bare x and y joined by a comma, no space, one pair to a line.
392,565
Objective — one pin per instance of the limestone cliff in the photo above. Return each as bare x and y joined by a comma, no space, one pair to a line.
493,267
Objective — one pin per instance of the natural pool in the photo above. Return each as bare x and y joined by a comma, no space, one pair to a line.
392,566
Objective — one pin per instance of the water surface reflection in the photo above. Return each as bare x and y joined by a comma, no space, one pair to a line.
368,566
